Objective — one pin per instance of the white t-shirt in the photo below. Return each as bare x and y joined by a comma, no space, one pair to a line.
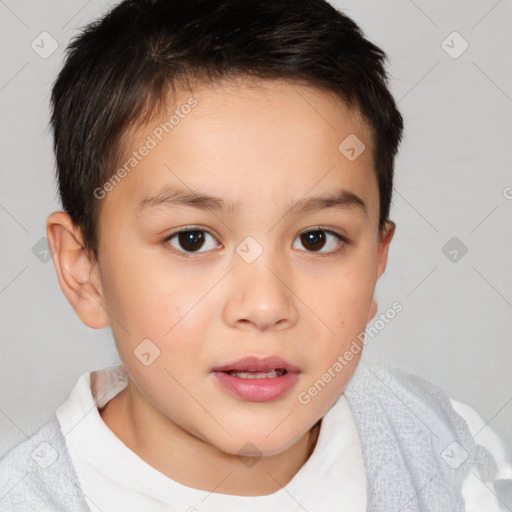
114,478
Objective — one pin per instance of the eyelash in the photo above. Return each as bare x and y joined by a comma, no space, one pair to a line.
342,239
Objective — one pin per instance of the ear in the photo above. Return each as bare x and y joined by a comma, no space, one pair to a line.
385,236
78,274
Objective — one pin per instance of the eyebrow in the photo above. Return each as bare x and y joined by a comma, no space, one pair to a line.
170,197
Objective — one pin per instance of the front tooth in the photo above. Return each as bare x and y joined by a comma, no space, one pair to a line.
255,375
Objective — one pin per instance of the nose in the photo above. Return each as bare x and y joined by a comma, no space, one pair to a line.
261,296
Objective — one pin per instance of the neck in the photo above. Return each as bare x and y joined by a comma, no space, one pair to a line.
193,462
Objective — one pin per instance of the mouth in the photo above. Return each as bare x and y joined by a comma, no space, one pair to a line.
258,365
257,379
269,374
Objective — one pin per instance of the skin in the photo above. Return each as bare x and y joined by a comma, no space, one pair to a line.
264,144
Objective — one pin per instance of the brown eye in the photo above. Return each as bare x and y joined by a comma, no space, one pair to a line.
315,240
190,240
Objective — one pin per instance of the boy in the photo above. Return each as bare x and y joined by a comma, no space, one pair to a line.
226,171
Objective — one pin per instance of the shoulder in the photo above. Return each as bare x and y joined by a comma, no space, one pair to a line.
485,436
37,474
426,427
491,495
386,384
379,384
413,400
391,387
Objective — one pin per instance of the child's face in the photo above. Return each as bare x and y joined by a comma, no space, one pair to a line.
303,299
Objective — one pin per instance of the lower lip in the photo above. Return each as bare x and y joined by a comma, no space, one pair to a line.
257,390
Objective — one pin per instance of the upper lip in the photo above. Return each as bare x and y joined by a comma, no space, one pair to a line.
257,364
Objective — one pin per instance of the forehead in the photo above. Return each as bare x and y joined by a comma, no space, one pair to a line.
249,142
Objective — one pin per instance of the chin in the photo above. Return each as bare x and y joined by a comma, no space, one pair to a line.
259,444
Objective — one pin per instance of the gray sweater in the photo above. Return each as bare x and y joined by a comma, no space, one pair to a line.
417,452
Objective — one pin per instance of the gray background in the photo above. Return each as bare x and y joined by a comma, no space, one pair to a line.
452,176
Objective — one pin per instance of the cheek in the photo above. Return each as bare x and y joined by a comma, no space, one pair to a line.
342,303
145,301
335,355
343,306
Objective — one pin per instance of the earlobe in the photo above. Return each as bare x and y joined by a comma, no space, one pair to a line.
74,270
